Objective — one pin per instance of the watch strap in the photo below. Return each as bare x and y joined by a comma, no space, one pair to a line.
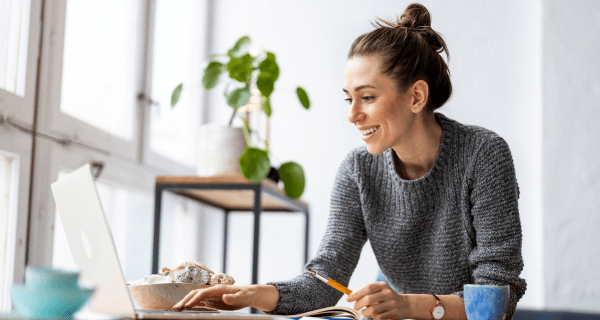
437,300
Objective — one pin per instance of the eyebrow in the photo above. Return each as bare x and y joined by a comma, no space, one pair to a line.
360,88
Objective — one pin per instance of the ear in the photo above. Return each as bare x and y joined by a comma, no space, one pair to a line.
419,92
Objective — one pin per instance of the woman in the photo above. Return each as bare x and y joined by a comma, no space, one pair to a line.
436,199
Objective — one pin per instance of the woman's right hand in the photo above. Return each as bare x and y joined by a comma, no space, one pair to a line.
228,297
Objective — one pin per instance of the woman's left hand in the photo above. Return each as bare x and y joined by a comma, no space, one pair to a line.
381,301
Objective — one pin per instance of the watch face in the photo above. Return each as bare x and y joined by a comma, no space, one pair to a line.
438,312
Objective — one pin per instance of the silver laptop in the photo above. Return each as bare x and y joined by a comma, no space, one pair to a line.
94,251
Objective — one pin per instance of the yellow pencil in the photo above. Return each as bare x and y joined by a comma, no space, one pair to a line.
331,282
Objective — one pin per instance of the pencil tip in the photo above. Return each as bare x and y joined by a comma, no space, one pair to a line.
311,271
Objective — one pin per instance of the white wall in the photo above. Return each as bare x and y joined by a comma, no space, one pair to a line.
571,169
496,65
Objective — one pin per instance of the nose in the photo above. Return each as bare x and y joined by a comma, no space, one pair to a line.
355,112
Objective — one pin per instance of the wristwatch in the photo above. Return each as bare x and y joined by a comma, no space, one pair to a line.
438,311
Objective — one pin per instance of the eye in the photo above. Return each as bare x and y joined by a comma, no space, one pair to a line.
368,98
349,100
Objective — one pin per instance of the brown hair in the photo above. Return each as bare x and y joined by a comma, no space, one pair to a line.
410,50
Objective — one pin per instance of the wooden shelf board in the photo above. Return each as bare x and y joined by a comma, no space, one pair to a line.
233,200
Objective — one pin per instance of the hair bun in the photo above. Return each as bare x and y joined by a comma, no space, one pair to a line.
415,15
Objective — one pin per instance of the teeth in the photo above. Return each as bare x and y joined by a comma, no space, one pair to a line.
366,132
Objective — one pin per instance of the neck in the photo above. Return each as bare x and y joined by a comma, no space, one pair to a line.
419,151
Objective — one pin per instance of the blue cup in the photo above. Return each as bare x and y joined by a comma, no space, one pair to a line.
49,293
486,302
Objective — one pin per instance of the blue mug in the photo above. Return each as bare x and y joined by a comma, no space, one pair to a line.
486,302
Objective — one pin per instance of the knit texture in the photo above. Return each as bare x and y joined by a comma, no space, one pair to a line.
456,225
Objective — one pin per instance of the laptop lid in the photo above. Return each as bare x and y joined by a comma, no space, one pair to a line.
91,243
93,249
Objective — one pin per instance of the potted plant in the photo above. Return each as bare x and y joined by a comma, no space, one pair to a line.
247,72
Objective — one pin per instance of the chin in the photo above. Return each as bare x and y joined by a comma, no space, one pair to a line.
374,150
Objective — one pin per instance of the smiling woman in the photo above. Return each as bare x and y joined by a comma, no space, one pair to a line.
437,199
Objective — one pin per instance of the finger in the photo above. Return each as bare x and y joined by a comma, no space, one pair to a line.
232,299
185,300
196,300
370,300
374,310
201,295
380,308
365,290
216,293
389,314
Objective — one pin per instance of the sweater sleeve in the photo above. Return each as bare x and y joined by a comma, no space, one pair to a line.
496,256
338,252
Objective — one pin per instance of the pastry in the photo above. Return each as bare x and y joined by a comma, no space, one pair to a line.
190,274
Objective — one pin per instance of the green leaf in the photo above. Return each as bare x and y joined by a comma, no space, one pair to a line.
240,68
303,97
240,47
270,66
292,176
265,105
212,72
238,97
176,94
265,83
254,164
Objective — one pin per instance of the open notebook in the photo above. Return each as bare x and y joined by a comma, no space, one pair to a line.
331,312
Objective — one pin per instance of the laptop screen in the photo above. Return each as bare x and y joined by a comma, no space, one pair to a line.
91,243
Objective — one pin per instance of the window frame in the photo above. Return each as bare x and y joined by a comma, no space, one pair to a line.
61,124
18,144
24,113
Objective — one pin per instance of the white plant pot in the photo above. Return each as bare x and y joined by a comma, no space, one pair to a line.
220,149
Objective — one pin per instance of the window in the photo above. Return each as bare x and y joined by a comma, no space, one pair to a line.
176,59
99,64
8,219
95,61
14,36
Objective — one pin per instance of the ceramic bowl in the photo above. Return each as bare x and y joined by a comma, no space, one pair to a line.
162,296
46,277
51,303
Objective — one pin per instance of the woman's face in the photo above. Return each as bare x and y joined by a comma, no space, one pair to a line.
375,105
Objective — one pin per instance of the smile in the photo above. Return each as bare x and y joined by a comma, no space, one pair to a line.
368,132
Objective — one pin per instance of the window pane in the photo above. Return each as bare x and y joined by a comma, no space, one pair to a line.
177,58
8,226
14,35
99,63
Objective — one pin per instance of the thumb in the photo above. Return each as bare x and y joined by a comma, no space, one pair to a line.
229,298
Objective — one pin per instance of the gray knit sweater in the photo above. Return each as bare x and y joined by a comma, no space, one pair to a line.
456,225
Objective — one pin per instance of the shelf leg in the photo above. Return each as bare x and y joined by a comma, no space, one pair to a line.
156,245
225,228
306,237
257,209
